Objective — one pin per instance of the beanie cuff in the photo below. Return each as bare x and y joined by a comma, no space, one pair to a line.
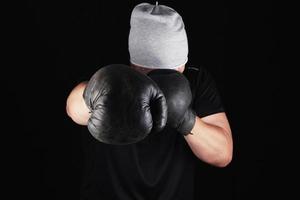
158,67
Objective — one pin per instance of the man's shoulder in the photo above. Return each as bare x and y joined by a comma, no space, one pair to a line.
196,73
193,68
198,70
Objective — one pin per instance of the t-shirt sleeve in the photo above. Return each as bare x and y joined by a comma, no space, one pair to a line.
206,98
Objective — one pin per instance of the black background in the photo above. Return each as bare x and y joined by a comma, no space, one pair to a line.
54,43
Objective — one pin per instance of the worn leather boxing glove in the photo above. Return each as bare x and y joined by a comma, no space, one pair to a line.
125,105
178,94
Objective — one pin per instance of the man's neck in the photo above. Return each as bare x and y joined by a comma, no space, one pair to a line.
140,69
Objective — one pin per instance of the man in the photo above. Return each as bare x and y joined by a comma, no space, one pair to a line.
161,166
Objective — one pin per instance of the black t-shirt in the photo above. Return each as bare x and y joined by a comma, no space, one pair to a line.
160,167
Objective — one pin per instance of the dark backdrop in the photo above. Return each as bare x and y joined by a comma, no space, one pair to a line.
55,43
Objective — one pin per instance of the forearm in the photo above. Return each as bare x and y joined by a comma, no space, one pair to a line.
210,143
76,107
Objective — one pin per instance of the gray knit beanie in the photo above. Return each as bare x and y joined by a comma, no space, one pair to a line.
157,37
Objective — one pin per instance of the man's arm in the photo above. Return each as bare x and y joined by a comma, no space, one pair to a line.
211,140
76,107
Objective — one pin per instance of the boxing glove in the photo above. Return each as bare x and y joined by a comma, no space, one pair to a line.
125,105
178,94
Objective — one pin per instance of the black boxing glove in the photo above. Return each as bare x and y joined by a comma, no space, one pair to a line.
178,94
125,105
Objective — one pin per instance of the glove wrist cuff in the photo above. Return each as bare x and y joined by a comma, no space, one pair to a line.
188,122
